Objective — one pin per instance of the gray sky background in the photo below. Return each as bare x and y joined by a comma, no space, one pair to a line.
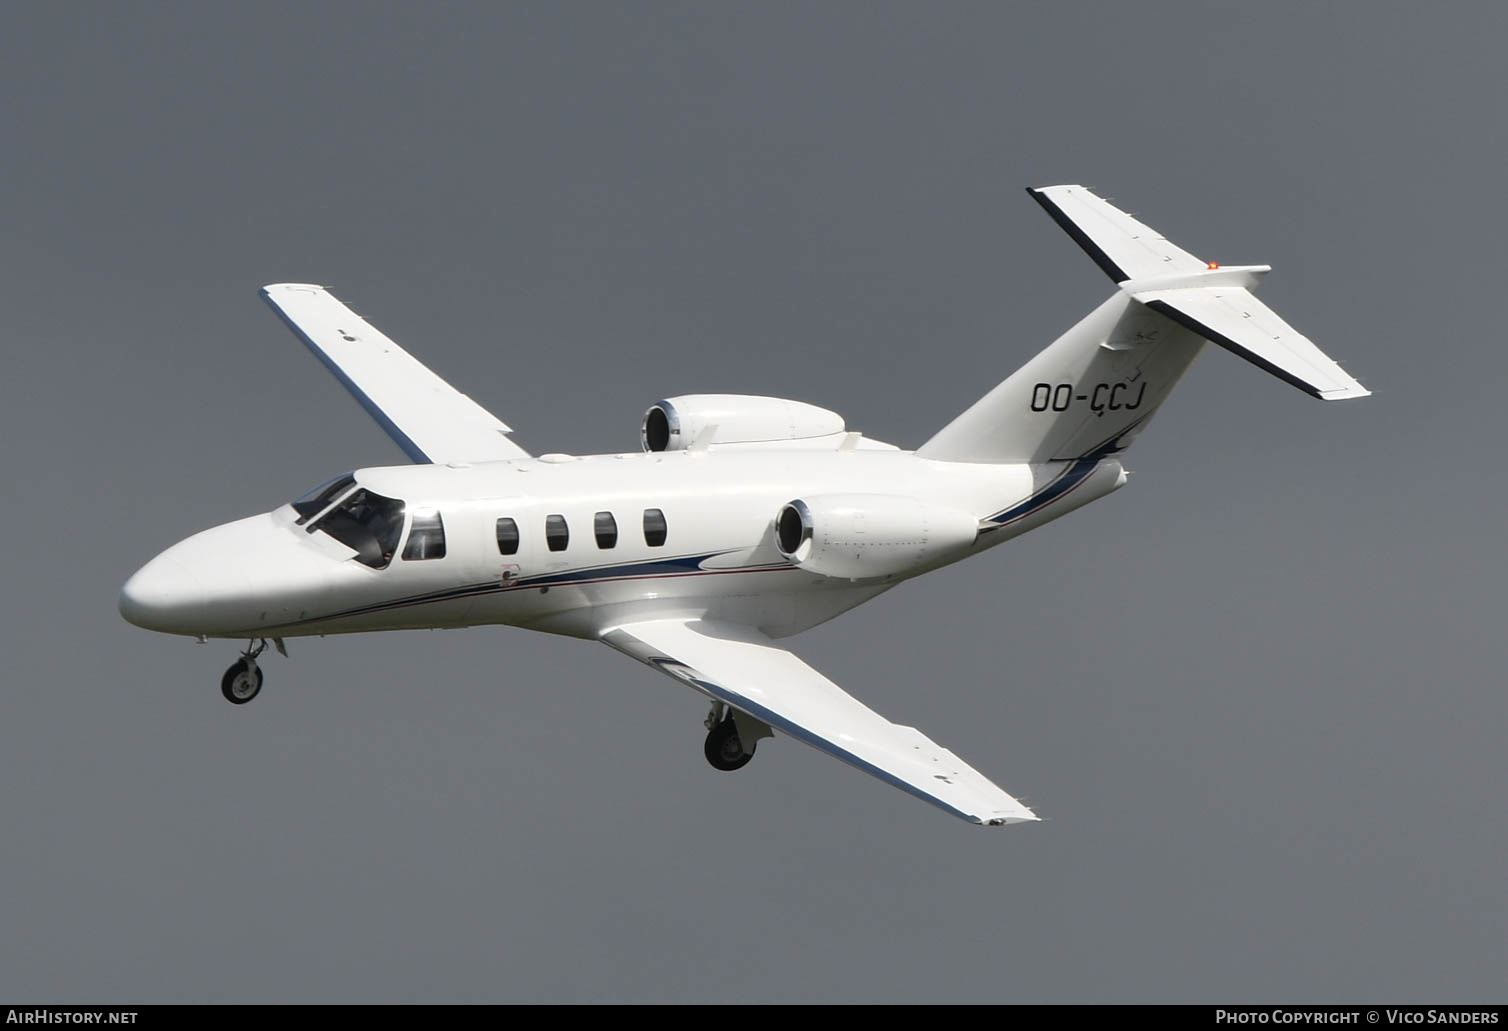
1257,695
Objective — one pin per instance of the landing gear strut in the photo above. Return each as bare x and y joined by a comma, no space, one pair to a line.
243,681
724,748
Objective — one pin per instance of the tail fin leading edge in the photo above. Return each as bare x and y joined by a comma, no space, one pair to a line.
1094,388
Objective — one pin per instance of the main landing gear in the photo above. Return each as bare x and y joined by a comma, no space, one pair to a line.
724,749
243,681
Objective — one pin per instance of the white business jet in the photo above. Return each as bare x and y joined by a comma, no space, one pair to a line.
743,521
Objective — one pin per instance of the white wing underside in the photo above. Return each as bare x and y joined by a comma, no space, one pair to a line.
742,668
428,418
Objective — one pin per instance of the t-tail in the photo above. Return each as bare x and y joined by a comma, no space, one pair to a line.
1094,389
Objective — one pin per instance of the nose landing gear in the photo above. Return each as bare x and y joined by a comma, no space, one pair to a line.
243,681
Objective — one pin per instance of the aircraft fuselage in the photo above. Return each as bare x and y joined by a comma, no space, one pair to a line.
269,576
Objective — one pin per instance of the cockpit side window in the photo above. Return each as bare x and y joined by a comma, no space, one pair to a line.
367,523
321,497
426,537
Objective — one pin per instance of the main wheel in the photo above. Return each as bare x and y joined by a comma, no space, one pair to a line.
724,749
241,683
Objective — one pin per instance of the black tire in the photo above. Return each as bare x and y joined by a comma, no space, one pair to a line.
238,686
724,750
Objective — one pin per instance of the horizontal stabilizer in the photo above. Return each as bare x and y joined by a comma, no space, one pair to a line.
1120,245
1233,318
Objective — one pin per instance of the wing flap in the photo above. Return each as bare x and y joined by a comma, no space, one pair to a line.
744,669
428,418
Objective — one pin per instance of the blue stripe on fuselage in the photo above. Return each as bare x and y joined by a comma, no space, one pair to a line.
644,567
647,569
1065,481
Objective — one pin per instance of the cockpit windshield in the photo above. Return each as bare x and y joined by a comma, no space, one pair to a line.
368,523
321,497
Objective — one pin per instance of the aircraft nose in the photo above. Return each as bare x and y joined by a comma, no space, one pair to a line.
164,595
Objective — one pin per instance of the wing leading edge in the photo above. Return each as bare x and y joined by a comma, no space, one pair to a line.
428,418
744,669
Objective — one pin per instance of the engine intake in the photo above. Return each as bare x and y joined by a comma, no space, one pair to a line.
865,536
676,423
793,530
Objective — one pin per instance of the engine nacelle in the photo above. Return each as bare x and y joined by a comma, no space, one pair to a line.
863,536
678,422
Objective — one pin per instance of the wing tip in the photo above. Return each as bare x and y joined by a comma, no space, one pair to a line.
1025,815
306,287
1346,393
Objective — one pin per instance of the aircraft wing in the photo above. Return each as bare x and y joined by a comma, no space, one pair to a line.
744,669
428,418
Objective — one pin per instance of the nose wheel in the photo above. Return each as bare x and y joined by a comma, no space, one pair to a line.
243,681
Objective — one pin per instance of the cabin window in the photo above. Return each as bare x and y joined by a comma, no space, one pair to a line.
507,537
557,533
654,527
426,537
606,528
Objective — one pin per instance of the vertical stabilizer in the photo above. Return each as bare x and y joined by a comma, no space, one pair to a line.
1091,391
1095,387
